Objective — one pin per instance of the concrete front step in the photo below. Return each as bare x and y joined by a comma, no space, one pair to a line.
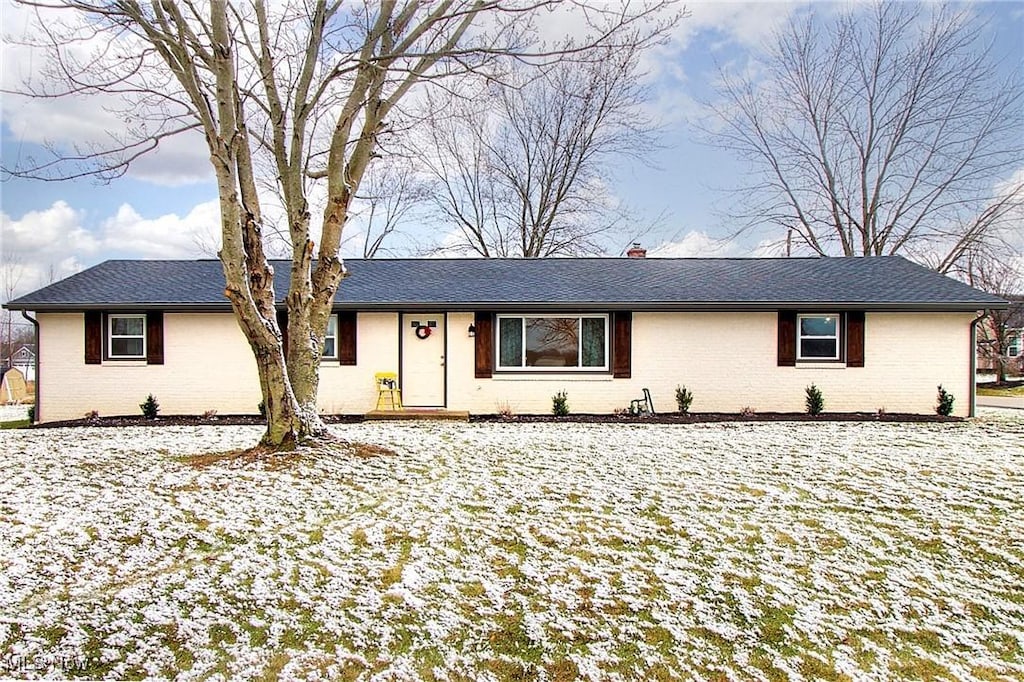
418,413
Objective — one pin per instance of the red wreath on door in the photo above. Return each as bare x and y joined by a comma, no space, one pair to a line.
422,332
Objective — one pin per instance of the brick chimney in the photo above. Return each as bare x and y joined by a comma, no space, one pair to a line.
637,251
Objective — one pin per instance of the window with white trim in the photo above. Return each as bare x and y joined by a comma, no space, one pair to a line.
817,337
552,342
1013,348
331,338
126,338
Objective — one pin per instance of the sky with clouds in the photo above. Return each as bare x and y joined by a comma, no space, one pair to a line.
166,206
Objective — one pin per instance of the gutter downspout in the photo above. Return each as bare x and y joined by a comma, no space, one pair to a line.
973,408
35,406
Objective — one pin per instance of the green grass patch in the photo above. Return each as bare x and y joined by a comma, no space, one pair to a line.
1002,391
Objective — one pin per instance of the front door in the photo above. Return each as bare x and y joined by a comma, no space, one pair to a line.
423,350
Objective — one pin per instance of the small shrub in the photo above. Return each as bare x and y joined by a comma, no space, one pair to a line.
560,404
620,411
262,407
882,412
815,401
32,414
210,414
92,415
505,409
150,407
748,411
946,400
684,397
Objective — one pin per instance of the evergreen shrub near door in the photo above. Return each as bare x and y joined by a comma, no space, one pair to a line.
684,397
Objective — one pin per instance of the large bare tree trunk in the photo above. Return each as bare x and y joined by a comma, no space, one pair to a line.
288,96
248,275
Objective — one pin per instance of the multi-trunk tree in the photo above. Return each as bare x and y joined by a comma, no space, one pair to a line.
292,100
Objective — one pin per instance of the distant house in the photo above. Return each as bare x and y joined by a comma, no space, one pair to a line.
483,334
1012,355
24,360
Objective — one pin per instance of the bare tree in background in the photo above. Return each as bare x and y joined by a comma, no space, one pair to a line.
885,131
524,170
389,195
293,95
997,272
11,272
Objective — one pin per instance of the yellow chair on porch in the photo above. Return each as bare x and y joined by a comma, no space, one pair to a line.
388,393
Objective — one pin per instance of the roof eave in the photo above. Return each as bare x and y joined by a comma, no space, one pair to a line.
502,306
120,307
674,306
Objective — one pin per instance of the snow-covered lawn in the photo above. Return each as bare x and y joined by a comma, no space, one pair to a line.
13,413
518,551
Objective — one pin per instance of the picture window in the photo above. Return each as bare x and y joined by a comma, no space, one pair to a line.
553,342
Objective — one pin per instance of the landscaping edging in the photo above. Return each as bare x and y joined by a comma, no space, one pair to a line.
659,418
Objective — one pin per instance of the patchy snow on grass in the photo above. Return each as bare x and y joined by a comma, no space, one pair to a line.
13,413
518,551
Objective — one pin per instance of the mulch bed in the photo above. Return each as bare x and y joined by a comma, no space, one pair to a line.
187,420
660,418
711,417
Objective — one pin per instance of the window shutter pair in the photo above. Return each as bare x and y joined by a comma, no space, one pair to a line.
94,337
346,335
854,334
621,337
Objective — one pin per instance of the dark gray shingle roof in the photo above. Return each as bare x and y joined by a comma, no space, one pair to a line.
451,284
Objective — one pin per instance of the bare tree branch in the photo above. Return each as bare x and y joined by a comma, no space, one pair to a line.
882,132
293,100
526,172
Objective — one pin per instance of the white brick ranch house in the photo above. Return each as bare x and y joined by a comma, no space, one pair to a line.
479,335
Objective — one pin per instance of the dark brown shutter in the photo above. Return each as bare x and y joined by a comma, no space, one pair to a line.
787,338
347,337
93,337
155,337
855,338
282,324
622,338
484,345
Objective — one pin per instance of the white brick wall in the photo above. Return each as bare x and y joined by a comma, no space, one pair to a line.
728,360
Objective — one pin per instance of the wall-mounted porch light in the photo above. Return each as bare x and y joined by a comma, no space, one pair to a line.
472,330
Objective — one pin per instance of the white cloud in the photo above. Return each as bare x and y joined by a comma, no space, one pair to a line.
58,226
81,124
196,234
748,24
1014,232
43,246
729,34
697,244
